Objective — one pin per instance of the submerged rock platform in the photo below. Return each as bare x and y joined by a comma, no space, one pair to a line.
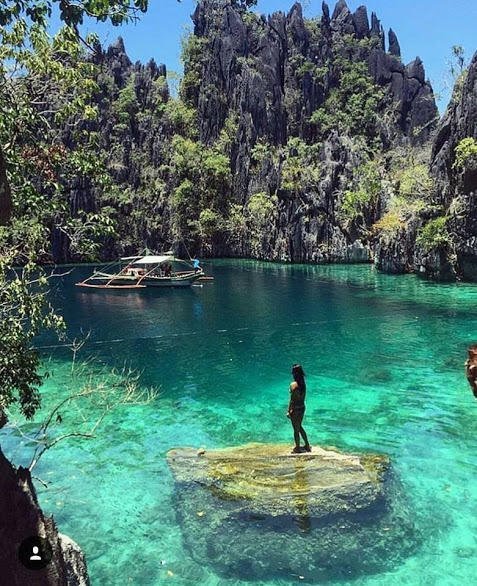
268,479
257,510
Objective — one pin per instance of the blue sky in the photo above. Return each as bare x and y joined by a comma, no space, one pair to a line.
428,28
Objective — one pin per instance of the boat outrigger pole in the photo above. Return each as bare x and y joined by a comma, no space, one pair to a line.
113,277
146,270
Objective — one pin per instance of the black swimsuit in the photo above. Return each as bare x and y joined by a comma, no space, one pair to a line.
298,399
297,412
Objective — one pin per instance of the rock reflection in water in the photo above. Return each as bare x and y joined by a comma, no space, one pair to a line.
303,519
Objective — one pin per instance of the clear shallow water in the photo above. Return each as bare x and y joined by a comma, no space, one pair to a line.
384,358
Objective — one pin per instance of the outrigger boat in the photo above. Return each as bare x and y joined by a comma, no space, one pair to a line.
137,272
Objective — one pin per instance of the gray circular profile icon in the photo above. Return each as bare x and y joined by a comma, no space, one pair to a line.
35,553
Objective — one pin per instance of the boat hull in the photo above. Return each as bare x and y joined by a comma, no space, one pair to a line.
132,282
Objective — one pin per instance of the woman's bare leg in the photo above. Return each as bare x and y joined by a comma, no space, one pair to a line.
296,420
304,436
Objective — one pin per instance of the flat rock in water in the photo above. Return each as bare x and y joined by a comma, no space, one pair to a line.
258,511
268,479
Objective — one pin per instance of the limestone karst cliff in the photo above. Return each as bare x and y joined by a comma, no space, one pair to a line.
439,241
269,150
456,181
320,98
276,71
289,139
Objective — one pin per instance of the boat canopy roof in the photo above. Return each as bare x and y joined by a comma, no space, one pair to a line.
152,259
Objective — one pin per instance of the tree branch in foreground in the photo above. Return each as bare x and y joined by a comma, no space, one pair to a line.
86,409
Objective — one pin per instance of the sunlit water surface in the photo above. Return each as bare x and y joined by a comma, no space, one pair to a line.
384,360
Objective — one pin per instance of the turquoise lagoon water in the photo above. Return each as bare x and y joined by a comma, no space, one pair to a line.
384,360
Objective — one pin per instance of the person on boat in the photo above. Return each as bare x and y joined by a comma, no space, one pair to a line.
296,407
167,269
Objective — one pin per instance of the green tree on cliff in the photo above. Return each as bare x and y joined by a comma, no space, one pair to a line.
33,65
72,13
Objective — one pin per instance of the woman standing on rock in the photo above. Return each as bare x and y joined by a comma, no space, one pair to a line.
296,407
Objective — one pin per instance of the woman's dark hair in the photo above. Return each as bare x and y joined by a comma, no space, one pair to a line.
299,375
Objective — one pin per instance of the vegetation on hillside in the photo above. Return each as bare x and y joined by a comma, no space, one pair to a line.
39,170
465,154
113,162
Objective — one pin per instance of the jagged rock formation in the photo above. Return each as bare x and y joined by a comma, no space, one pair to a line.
456,188
274,74
260,92
394,253
294,106
133,136
21,518
394,47
307,508
451,217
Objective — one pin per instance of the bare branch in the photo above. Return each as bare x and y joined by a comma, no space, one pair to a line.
47,446
102,395
40,481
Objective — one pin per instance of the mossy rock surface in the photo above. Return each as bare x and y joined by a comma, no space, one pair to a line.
257,511
268,479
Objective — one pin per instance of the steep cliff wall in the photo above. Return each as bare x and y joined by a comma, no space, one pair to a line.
277,71
439,241
281,77
276,146
129,138
456,177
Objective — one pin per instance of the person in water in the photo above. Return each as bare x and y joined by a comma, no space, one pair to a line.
296,407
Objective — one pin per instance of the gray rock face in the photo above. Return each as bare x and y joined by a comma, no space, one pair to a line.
361,22
322,515
284,38
454,198
119,61
21,517
342,20
377,30
269,76
274,101
308,229
394,47
395,254
415,70
413,96
457,188
129,146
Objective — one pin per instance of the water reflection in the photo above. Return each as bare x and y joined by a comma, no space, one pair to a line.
303,518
